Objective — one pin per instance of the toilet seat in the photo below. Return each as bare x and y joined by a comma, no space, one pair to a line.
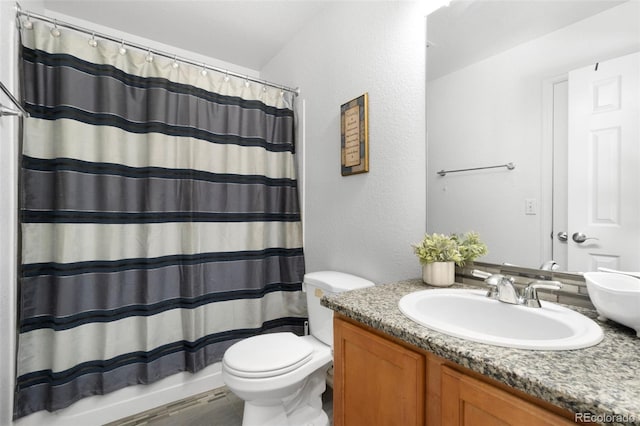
267,355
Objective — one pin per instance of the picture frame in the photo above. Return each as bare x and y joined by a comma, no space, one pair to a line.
354,136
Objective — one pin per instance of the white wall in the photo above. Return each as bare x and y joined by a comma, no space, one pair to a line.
8,211
492,113
362,224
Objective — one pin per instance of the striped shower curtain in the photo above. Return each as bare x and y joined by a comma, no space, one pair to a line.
159,218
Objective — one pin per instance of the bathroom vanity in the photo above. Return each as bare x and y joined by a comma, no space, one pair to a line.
390,370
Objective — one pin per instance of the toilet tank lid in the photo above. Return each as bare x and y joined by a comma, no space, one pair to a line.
336,282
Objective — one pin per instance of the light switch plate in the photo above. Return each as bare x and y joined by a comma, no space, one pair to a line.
530,206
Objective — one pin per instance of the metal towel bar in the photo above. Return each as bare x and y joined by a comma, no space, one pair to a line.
8,111
509,166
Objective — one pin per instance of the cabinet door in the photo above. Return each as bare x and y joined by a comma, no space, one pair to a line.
468,401
376,381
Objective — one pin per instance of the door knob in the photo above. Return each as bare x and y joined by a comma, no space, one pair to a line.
580,238
563,236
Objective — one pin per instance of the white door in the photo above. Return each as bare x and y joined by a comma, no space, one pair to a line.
604,166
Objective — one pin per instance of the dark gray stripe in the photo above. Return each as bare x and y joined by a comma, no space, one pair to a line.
68,60
116,265
102,168
45,396
65,216
107,193
54,86
62,296
138,311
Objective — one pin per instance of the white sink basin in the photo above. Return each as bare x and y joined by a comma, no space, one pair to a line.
615,296
469,314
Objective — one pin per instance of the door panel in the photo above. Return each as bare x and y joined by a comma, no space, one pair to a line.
469,402
376,382
604,164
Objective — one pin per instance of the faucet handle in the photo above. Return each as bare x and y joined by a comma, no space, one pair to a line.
489,279
494,281
530,293
480,274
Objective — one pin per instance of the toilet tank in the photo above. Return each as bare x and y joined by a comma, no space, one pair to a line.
316,285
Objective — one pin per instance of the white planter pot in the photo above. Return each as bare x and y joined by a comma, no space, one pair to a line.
441,274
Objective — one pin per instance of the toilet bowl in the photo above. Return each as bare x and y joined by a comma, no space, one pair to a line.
280,376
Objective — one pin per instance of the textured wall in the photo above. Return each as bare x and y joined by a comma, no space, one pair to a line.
362,224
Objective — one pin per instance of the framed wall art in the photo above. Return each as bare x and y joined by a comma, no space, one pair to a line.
354,136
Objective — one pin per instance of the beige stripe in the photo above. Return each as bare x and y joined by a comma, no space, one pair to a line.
134,62
66,138
59,350
66,243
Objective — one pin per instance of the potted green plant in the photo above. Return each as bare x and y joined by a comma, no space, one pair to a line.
439,253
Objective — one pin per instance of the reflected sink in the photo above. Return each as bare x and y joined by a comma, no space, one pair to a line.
470,315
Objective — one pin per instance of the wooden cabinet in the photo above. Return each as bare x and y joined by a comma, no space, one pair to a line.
376,381
379,380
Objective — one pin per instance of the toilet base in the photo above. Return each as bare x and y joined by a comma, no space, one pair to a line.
302,408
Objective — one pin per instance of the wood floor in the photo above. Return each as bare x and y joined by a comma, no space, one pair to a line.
219,407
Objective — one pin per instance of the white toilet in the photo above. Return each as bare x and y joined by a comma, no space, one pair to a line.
281,376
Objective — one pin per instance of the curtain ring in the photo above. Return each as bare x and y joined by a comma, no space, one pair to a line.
55,32
92,41
27,25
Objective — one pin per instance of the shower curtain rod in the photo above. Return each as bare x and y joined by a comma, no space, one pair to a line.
123,42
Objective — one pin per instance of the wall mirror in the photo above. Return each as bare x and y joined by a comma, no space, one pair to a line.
553,88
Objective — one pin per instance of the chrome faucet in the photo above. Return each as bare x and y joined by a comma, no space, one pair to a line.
502,289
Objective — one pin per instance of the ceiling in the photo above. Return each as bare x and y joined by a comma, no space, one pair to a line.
249,33
242,32
469,31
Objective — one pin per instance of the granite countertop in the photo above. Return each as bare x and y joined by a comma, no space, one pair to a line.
603,380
